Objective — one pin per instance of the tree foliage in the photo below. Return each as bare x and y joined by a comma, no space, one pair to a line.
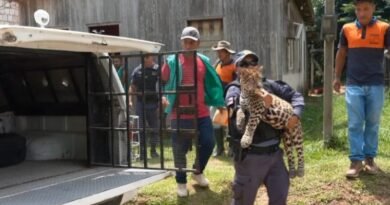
345,10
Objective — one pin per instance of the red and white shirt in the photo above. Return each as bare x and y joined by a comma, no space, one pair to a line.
187,64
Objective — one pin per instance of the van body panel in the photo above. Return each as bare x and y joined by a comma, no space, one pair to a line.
75,41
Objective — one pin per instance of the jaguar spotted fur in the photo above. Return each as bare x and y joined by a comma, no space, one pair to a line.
277,114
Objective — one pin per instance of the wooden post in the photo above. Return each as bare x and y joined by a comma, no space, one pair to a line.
311,69
328,78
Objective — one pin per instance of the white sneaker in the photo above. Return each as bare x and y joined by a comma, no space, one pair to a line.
182,190
201,180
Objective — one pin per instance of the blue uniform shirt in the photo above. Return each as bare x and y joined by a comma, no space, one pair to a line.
151,76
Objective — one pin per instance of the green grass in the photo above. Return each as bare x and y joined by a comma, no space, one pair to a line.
324,181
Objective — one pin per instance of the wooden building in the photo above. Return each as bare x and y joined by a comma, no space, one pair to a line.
274,29
9,12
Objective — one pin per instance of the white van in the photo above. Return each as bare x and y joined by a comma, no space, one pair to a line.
53,94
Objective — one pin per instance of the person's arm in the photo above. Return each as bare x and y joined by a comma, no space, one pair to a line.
287,93
232,94
165,72
387,39
132,89
341,56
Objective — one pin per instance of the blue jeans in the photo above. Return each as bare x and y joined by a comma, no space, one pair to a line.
182,144
364,105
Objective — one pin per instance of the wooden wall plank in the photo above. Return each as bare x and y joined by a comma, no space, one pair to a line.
258,25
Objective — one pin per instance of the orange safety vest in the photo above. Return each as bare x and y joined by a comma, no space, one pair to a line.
374,36
226,72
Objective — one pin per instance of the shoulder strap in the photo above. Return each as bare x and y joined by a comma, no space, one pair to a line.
266,84
216,63
233,83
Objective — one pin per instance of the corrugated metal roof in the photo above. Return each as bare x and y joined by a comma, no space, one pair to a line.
307,11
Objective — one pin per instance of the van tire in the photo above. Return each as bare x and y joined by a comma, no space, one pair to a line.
12,149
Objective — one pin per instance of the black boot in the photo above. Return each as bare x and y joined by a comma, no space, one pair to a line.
153,152
218,133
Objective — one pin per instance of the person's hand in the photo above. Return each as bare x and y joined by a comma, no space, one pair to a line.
292,122
336,84
130,103
164,102
221,109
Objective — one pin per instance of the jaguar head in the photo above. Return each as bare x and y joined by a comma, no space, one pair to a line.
251,80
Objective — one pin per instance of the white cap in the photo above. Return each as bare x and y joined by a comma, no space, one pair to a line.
191,33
